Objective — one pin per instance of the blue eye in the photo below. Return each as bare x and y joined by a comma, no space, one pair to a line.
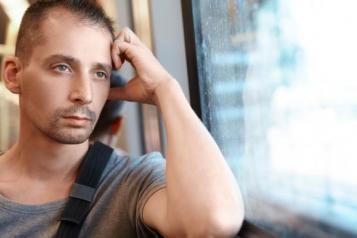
101,75
62,68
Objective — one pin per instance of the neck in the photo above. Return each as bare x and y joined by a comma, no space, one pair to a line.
42,159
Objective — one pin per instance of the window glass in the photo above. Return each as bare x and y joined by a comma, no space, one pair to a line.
278,87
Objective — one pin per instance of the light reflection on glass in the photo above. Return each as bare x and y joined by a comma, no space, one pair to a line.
282,84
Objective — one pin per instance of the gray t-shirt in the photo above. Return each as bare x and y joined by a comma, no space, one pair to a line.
117,211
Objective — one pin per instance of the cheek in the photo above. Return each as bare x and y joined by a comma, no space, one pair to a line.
41,91
34,92
102,91
101,94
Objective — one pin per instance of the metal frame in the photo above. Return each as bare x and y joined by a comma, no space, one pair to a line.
191,19
191,55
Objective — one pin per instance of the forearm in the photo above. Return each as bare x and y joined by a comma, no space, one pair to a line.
201,188
201,191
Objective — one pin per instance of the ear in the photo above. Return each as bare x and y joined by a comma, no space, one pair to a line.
11,74
116,125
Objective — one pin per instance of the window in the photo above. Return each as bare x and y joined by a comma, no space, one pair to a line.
278,91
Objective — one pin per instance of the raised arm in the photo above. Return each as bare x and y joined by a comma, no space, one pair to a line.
201,198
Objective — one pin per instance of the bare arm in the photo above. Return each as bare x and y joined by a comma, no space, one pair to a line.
202,198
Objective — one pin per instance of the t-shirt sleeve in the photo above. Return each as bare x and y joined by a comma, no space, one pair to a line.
146,178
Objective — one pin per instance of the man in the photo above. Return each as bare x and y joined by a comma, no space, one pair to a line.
110,121
64,56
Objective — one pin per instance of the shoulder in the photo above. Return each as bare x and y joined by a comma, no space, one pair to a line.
134,178
123,165
119,160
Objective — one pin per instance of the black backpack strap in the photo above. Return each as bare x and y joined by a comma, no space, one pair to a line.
83,190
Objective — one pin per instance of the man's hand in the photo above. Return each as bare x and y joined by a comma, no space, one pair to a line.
150,74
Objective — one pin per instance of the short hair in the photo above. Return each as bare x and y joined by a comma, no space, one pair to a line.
29,33
112,109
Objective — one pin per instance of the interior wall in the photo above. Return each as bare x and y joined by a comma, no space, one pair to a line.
168,37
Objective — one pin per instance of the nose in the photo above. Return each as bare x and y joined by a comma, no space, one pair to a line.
81,91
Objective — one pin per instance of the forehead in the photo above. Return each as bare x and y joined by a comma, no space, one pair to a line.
62,32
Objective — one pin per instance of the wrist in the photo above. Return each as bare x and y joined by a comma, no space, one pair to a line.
166,88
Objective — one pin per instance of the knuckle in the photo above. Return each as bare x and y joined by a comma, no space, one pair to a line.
125,29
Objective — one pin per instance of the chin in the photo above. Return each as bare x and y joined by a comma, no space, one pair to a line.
71,141
69,138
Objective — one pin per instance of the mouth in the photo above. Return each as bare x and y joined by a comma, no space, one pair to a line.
77,120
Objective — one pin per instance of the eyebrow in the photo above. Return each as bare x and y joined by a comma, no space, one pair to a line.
72,60
106,67
64,58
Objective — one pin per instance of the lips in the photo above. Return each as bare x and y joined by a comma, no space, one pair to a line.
77,118
77,121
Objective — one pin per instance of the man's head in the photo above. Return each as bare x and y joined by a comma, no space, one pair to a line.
30,34
61,70
111,118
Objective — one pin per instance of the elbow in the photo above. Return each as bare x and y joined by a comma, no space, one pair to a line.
224,225
225,222
215,220
217,226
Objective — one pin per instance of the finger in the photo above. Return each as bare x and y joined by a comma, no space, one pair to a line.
118,93
127,35
116,54
117,60
120,36
123,36
121,51
127,93
133,91
127,51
